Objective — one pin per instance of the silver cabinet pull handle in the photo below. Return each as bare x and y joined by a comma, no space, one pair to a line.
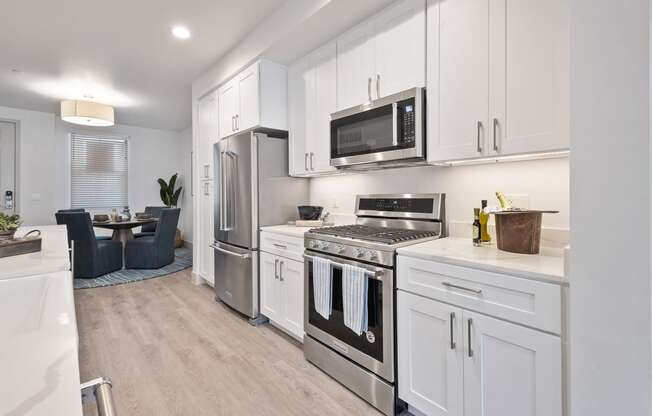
469,324
450,285
479,148
237,122
369,88
312,156
231,253
280,246
452,330
377,85
305,161
280,271
275,268
495,135
232,123
99,391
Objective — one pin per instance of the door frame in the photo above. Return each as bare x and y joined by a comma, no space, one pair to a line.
17,134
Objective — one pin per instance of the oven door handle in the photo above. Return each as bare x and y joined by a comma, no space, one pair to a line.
376,273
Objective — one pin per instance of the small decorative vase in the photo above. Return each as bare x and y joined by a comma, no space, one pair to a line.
7,235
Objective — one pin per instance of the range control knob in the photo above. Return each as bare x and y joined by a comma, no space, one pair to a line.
340,249
372,255
312,244
357,252
324,246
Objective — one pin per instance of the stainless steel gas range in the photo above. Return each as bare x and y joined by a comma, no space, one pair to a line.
366,363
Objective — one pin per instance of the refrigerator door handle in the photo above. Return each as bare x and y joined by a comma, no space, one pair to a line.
229,217
231,253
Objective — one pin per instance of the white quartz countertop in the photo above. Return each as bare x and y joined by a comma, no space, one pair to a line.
38,331
52,258
291,230
547,266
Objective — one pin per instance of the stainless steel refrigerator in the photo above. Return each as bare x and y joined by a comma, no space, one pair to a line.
253,189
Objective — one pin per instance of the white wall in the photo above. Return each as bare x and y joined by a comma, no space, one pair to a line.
43,164
610,293
35,190
541,184
153,154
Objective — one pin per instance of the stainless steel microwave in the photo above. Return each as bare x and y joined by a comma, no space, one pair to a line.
386,132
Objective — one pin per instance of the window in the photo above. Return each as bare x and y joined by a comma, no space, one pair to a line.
99,168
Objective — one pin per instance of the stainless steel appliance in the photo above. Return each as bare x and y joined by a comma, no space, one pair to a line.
366,363
253,189
386,132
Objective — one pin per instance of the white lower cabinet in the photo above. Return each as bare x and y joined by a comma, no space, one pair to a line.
281,292
430,355
455,362
205,253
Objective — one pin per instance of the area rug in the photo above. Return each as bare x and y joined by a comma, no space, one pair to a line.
182,260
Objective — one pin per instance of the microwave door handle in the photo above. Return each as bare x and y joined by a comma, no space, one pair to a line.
395,124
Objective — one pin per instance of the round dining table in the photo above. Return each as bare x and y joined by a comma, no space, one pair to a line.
122,229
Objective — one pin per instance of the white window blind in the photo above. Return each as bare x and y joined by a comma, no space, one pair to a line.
99,172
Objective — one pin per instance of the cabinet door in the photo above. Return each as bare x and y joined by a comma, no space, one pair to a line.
228,108
510,370
355,66
458,86
291,277
248,89
529,75
323,104
208,134
301,86
400,44
269,287
207,259
430,355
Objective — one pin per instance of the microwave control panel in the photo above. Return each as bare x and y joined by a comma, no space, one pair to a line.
406,121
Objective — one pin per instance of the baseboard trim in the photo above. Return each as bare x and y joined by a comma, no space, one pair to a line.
187,244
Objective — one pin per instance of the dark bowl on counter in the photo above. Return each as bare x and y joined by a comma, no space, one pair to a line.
309,212
100,218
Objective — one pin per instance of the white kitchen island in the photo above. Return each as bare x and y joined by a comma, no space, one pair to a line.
38,331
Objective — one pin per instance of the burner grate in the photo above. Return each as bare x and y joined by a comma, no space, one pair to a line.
384,235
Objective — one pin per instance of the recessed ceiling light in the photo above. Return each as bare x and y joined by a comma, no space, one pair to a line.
181,32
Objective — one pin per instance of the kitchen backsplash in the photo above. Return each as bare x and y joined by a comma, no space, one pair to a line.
540,184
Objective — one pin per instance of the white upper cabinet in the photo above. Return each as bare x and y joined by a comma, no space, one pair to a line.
400,48
457,78
383,55
256,97
529,75
208,134
497,78
312,100
355,66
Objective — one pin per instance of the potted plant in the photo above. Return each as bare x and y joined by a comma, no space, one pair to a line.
170,198
8,226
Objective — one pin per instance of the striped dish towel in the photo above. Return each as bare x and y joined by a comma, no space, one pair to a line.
322,286
354,293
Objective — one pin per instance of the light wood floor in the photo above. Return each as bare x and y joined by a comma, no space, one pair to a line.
171,350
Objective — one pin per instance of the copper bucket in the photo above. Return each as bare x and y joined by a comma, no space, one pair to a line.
519,231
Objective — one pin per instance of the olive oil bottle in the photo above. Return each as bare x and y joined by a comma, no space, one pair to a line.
484,220
476,227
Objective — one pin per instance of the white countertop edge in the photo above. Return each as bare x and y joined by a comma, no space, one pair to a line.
285,229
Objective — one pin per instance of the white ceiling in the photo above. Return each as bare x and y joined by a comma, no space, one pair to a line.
119,52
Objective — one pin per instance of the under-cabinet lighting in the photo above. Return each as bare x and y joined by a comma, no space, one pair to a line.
510,158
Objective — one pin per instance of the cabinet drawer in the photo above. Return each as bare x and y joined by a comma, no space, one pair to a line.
523,301
282,245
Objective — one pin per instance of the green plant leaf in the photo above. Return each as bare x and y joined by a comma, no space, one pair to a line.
175,197
173,181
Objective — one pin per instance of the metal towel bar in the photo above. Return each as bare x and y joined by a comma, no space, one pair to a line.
372,273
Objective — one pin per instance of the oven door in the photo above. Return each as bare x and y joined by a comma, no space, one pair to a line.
385,130
373,350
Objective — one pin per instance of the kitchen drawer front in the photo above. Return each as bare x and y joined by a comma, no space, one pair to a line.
282,245
519,300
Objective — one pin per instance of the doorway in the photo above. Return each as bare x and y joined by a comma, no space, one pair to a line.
7,167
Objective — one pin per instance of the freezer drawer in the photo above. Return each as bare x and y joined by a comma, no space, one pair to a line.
236,278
